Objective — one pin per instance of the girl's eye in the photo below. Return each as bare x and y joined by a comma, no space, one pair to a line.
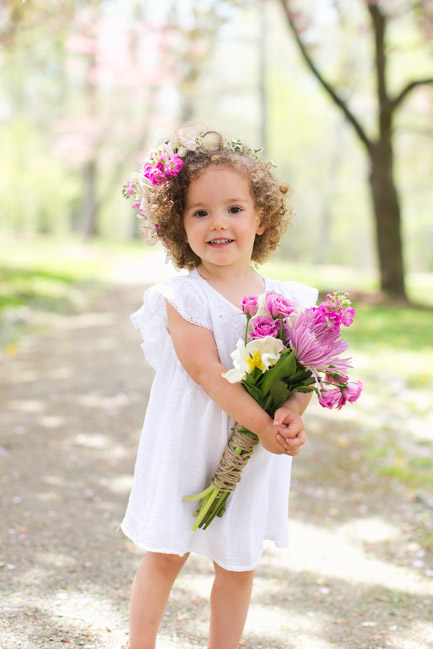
235,209
200,213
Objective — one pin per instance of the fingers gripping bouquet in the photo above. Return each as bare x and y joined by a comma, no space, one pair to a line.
285,350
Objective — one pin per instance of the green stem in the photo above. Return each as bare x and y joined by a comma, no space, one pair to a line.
198,496
216,512
205,509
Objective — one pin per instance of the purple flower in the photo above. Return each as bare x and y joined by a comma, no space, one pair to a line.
350,394
263,326
276,304
249,304
329,398
317,346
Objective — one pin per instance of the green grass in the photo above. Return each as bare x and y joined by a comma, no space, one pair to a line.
395,328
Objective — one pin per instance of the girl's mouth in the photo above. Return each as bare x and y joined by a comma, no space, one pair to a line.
219,243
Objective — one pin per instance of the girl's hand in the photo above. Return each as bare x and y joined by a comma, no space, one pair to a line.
269,440
290,430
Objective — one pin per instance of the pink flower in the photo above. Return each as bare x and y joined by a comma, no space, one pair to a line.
331,319
155,174
347,316
329,398
173,166
264,326
350,394
276,304
249,304
130,187
337,379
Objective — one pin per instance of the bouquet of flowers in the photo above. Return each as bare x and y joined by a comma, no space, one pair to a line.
285,350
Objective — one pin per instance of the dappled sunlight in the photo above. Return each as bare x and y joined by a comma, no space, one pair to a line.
54,559
119,484
52,421
99,401
27,405
340,554
369,530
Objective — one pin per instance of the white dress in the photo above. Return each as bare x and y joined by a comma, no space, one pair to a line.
185,433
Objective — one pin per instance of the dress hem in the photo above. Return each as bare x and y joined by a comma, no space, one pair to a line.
180,553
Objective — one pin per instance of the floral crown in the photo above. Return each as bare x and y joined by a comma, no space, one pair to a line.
161,164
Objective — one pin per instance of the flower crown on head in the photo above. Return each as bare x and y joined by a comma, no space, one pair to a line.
162,163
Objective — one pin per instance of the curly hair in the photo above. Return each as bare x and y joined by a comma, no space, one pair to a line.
167,202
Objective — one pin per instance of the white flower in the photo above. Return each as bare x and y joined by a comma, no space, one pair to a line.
182,151
262,353
162,136
188,137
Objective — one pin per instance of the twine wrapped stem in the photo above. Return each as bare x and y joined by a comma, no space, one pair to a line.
237,453
213,499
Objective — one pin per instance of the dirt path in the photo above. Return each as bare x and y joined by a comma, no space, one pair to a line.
357,575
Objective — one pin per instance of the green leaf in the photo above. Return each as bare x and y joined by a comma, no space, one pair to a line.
285,367
279,392
255,392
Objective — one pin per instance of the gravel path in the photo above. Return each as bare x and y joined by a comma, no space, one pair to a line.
358,574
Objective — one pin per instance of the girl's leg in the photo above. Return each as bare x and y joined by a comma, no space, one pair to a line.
230,599
150,590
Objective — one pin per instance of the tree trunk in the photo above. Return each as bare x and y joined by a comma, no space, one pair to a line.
387,219
90,202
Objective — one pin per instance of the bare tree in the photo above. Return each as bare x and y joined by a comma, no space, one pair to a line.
379,148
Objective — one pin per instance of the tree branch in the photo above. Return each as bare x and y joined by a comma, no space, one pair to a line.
332,93
410,86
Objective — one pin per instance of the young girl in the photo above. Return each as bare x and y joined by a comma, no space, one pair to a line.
217,208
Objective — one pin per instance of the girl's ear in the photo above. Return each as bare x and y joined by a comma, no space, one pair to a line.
261,228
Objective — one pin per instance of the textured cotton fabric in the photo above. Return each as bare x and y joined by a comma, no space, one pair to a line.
185,433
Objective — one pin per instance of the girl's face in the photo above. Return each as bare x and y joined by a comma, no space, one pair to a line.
220,217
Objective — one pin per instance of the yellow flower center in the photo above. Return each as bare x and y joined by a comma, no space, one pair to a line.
256,361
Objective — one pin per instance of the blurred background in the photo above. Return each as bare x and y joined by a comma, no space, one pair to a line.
84,86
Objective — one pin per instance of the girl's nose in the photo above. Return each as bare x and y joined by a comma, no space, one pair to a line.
218,223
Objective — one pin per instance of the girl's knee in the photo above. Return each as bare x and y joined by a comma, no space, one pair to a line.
166,562
244,576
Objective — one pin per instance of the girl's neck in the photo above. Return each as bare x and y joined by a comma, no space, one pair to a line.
225,274
233,283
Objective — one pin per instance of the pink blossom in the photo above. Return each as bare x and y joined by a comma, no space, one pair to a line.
263,326
329,398
337,379
276,304
173,166
347,316
350,394
249,304
130,187
155,174
331,319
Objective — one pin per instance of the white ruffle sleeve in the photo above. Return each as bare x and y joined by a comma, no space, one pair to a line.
151,318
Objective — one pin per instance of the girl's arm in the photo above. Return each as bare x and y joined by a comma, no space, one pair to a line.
197,352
